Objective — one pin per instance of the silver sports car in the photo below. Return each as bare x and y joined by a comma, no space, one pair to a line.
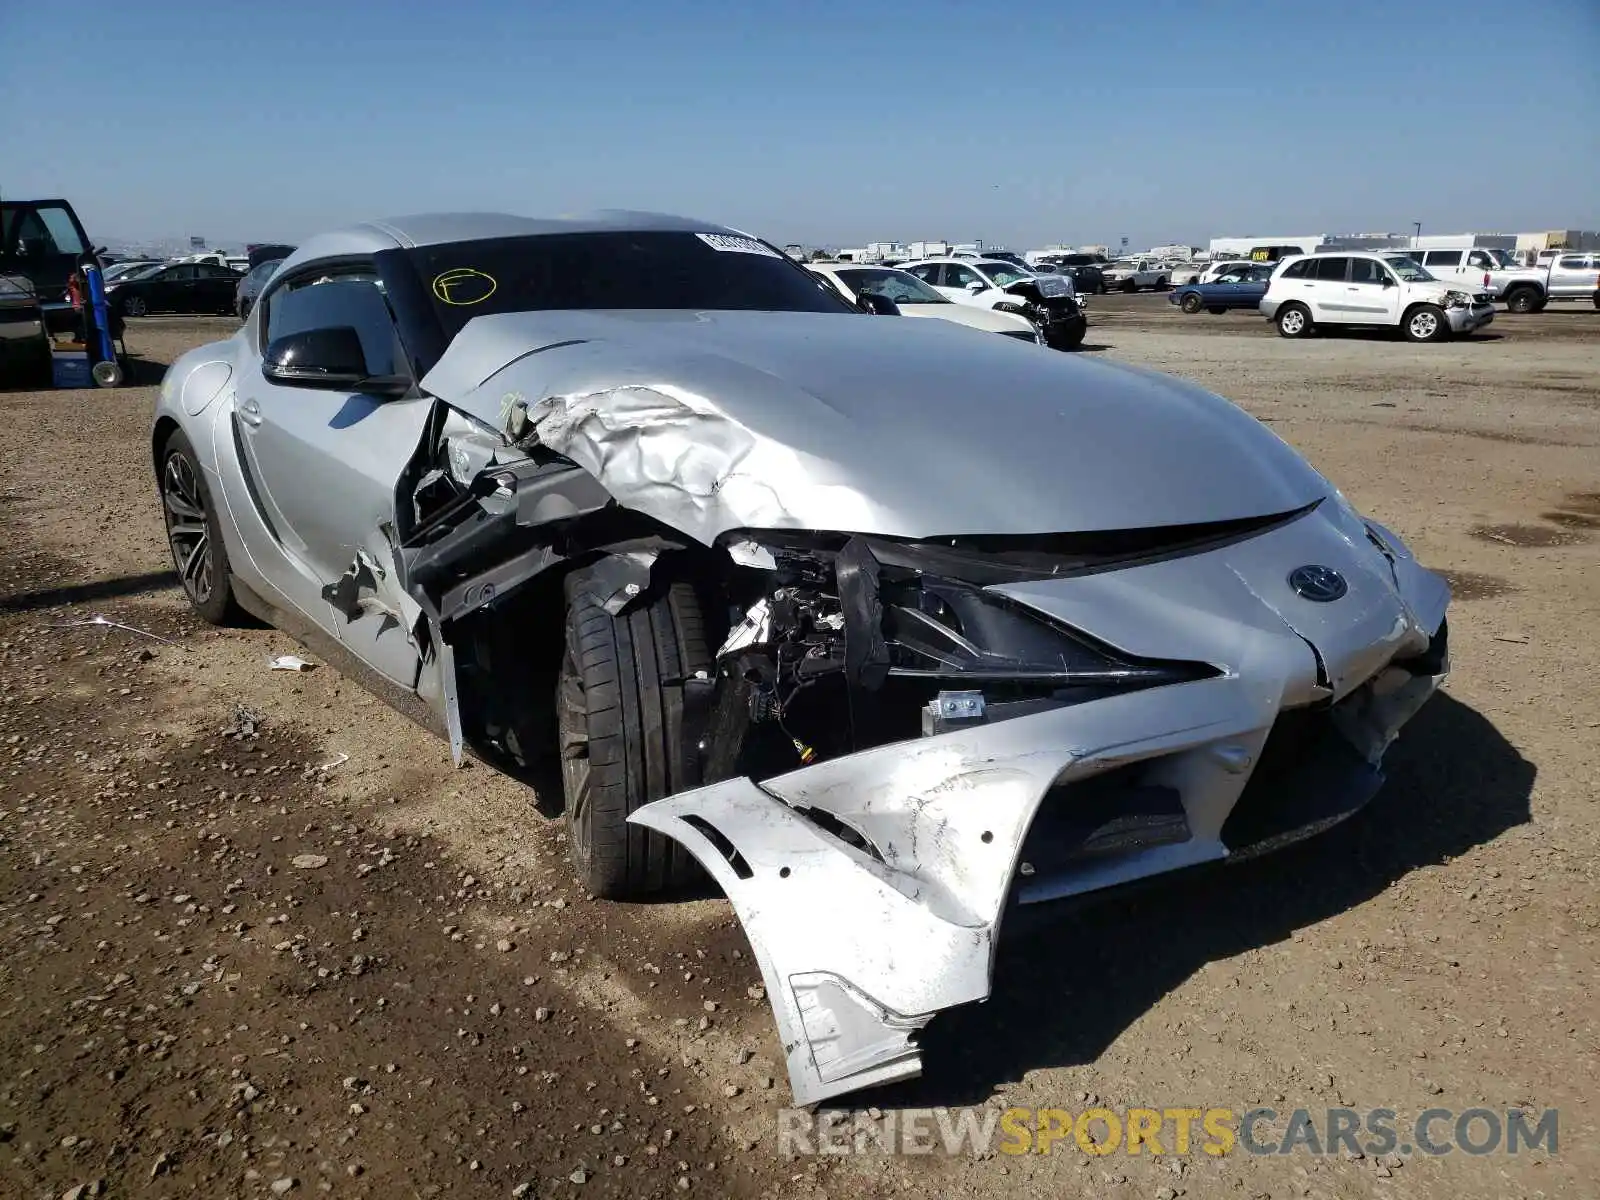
889,624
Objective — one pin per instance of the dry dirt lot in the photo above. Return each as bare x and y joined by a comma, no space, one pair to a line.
427,1006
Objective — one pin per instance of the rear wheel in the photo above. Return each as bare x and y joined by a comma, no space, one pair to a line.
1192,303
620,716
1294,321
1426,323
194,532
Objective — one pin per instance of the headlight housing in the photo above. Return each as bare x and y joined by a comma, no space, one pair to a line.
1453,299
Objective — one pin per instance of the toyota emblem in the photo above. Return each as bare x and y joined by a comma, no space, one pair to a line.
1317,583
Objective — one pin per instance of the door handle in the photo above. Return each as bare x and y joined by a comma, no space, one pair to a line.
250,412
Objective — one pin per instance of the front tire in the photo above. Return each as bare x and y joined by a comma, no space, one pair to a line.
620,716
194,533
1294,321
1129,286
1523,300
1426,323
135,306
1191,303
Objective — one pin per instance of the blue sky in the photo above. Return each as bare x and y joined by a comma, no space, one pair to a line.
831,121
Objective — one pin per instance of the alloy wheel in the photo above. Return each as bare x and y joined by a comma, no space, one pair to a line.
1292,322
1424,325
134,306
188,527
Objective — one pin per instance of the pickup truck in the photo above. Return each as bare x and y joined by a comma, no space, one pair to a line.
1132,274
1574,275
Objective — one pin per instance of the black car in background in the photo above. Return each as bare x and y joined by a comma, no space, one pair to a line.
1084,270
176,288
42,243
25,351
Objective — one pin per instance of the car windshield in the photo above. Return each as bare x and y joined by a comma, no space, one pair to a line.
260,272
655,269
1409,269
900,286
1502,258
1004,274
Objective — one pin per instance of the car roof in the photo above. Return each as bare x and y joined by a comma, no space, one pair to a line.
432,229
965,262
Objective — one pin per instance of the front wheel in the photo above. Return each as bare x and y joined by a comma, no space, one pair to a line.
1294,321
1191,303
135,306
620,718
1129,286
1427,323
194,532
1523,300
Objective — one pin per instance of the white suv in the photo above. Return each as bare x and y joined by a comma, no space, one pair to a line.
1348,288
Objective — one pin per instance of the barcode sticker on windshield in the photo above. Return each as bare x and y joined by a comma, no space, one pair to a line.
736,245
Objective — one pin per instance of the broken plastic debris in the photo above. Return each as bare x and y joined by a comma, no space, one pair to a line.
337,762
97,619
288,662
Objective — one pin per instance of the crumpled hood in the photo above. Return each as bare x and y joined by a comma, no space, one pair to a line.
712,421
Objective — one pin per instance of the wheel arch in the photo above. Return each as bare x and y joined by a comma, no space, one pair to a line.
160,434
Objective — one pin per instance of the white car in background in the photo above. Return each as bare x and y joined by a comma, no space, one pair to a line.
1134,274
1051,301
1344,288
1226,266
916,299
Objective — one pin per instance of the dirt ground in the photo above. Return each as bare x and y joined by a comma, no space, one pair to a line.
258,937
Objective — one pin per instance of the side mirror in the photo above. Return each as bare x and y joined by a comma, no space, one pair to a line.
327,358
875,305
975,287
1387,280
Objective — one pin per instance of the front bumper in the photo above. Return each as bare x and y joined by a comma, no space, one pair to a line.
1468,318
861,941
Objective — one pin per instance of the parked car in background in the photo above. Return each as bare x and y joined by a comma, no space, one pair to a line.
176,288
1135,274
1227,266
1180,273
1565,275
1242,287
25,351
916,299
1010,256
1370,289
1481,268
1050,301
1085,271
244,296
42,242
129,267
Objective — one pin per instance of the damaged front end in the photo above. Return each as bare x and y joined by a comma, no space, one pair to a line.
908,739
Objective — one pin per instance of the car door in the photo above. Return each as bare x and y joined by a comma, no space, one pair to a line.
1574,275
324,467
957,285
1372,294
1324,289
173,289
213,290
